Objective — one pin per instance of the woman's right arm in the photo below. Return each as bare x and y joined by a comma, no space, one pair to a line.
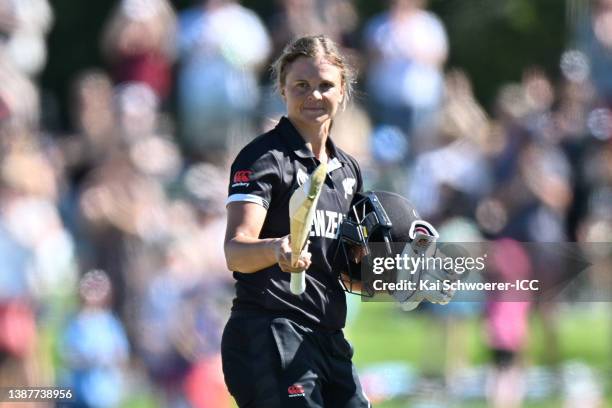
245,252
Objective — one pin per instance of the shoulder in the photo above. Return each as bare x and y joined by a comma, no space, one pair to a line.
374,31
376,23
432,20
265,147
350,160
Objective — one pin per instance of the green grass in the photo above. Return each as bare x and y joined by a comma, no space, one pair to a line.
381,332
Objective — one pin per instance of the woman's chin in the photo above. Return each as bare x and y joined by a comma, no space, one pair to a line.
315,117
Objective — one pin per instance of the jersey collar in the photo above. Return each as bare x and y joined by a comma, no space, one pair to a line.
296,142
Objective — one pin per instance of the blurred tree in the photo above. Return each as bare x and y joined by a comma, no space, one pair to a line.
73,45
495,40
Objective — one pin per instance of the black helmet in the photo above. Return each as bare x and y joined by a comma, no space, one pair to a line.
377,217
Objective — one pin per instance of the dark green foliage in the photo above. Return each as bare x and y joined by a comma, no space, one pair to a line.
495,40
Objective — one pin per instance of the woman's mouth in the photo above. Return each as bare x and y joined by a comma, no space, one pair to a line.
314,109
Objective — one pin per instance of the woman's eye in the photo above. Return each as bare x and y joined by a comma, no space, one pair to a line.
302,85
325,86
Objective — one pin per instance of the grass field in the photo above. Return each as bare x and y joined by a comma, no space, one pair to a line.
381,332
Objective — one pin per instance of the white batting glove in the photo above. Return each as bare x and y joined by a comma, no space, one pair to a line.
429,282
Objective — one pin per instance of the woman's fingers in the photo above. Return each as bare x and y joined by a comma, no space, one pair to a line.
304,261
283,257
302,265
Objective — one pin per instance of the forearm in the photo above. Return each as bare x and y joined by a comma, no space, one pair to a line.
247,255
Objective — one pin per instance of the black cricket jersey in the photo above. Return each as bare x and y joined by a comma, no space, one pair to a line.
267,171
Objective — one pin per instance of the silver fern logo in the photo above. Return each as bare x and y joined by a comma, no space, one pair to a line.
348,184
301,177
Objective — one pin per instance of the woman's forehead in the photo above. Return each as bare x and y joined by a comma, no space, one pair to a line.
310,67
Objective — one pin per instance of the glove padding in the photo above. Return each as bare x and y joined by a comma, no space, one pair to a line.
438,295
423,244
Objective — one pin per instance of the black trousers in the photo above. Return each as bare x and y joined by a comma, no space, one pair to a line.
277,363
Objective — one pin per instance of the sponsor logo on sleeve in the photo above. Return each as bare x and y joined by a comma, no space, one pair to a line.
242,178
296,390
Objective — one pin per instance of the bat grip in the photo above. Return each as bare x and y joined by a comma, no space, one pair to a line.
298,283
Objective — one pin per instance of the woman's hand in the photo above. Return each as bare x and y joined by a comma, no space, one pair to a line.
283,256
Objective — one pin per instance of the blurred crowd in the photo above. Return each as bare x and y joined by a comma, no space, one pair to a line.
112,274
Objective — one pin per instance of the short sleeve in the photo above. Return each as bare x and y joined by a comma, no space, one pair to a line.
357,171
253,179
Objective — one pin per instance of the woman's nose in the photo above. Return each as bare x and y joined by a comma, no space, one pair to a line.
316,94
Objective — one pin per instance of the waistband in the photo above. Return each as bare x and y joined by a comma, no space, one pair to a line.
246,313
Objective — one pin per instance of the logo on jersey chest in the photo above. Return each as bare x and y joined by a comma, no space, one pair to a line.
301,176
326,224
348,184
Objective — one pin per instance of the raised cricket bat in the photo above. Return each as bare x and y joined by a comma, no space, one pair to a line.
302,207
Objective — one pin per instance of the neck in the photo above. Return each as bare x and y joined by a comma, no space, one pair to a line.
315,137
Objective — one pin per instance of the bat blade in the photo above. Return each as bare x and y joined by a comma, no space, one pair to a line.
302,207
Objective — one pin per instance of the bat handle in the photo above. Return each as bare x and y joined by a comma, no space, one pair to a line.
298,283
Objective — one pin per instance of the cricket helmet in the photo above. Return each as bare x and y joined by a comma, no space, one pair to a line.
379,217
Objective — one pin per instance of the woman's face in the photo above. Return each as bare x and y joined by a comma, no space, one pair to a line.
313,90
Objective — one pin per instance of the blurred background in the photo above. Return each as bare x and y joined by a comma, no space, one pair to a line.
119,119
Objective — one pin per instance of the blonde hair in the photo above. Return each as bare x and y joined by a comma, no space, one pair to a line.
311,47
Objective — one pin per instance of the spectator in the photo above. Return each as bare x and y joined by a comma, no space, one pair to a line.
407,48
335,18
461,141
19,99
139,43
506,322
94,347
595,38
18,330
93,118
222,46
23,26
